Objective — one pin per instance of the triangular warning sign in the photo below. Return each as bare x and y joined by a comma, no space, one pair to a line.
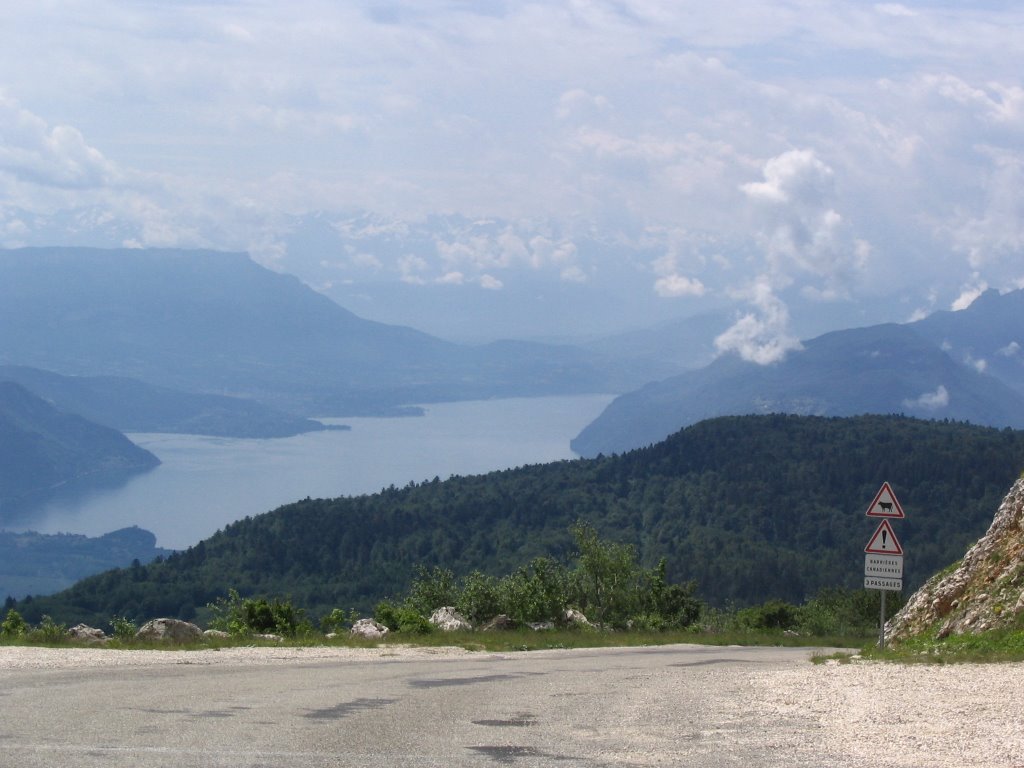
884,542
885,504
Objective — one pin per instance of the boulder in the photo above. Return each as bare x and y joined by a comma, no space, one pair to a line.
87,634
369,629
169,631
447,619
574,618
268,636
216,634
541,626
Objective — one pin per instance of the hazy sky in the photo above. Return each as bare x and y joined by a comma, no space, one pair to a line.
748,150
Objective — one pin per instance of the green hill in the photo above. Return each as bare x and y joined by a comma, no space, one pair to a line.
751,507
42,449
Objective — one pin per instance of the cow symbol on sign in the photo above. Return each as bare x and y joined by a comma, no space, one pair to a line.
885,504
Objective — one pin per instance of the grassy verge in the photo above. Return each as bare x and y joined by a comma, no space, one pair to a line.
506,641
986,647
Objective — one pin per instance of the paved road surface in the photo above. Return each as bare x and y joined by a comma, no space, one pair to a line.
676,706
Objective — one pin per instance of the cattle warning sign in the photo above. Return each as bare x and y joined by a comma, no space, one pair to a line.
885,504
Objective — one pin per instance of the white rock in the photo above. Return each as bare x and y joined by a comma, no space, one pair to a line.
169,630
368,628
447,619
87,634
572,617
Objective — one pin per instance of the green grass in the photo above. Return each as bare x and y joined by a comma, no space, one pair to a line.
507,641
987,647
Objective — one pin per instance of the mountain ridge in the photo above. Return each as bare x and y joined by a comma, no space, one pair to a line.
218,323
886,368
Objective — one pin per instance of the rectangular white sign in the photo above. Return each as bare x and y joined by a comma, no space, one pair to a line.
885,566
877,582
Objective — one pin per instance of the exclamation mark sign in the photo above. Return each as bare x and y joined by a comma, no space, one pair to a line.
885,535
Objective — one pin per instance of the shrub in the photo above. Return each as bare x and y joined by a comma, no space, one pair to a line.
608,577
48,631
403,618
775,614
338,620
243,616
13,625
123,628
537,592
480,598
846,611
432,589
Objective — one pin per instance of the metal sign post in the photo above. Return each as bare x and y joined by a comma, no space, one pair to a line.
881,624
883,556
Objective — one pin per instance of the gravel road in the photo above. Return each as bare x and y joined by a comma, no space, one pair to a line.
678,705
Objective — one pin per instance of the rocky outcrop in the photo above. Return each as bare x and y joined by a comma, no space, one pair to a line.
169,631
447,619
984,591
573,618
87,634
368,629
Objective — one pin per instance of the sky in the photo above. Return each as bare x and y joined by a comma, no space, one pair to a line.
777,159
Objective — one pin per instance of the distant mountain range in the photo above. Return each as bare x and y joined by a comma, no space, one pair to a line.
130,405
966,365
42,449
217,323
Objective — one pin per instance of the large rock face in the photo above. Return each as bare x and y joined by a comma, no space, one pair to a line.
985,591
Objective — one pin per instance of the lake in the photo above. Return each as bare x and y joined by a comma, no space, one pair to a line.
204,483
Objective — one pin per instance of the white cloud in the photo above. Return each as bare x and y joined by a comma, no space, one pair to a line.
452,278
411,268
672,286
969,293
760,337
929,401
1010,350
978,364
802,230
894,9
577,101
35,153
491,283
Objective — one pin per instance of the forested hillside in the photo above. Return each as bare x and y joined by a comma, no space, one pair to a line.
752,508
42,448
